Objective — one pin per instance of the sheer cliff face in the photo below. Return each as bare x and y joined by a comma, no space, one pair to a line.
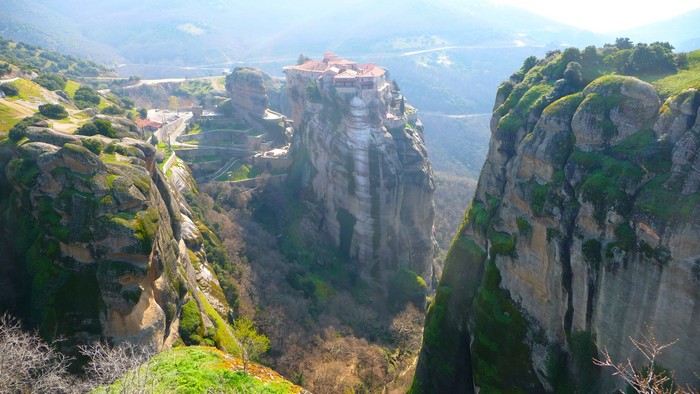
588,207
372,186
102,244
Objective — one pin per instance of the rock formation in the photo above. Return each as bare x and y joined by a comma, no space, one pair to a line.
365,166
103,246
583,232
246,87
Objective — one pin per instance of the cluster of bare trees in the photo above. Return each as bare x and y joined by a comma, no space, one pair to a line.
649,379
30,365
27,363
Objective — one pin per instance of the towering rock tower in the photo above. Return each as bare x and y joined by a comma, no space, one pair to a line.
359,150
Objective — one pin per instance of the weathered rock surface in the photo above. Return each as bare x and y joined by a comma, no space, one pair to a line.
584,225
246,87
372,187
102,243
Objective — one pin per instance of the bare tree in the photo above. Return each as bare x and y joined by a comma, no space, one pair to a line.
406,328
646,380
124,365
27,363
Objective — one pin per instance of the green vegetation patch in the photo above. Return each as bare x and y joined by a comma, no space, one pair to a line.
662,198
566,105
477,216
198,88
8,118
500,355
407,286
240,173
533,99
538,197
191,370
447,315
644,149
524,227
191,327
502,244
222,336
670,85
605,186
511,122
28,90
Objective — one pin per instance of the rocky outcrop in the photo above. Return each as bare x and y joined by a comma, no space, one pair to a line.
582,233
103,244
371,185
246,87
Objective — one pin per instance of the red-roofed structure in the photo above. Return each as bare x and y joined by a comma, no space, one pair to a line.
148,125
342,74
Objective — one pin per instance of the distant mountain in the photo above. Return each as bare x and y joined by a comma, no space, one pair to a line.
449,56
681,31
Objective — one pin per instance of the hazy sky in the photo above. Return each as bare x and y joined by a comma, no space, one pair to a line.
606,16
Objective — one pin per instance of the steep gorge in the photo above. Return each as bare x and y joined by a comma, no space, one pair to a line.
582,232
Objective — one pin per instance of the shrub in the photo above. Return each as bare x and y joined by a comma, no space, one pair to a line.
502,243
113,110
86,97
312,93
93,146
18,131
407,286
524,227
10,89
51,81
53,111
5,69
252,343
97,126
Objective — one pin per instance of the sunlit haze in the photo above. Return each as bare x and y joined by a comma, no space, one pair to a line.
605,16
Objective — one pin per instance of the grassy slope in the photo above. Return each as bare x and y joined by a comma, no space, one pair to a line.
31,95
669,85
199,369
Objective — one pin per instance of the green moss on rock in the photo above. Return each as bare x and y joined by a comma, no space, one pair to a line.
191,327
500,355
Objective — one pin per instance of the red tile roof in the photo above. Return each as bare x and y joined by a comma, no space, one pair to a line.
142,123
373,72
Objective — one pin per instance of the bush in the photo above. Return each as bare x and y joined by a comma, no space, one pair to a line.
51,81
97,126
93,146
312,93
407,286
10,89
53,111
86,97
113,110
524,227
18,131
5,69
